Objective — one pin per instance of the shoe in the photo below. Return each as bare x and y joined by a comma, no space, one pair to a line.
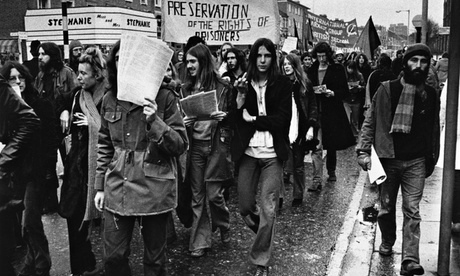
456,227
261,271
411,268
95,272
385,250
297,202
315,189
198,253
332,177
225,235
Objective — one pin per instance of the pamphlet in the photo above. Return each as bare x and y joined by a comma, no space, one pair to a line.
200,105
320,89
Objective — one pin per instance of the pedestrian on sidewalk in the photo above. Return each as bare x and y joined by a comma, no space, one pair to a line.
403,126
260,145
18,123
42,153
208,159
136,173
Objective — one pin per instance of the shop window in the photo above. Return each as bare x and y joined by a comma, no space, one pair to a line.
43,4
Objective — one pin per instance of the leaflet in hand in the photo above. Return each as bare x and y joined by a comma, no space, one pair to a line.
320,89
141,67
200,105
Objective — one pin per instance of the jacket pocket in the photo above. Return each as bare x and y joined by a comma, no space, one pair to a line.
163,171
112,117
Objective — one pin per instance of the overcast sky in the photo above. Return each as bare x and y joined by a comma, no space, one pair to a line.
383,12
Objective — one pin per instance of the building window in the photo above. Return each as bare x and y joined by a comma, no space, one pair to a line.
289,8
70,3
144,2
43,4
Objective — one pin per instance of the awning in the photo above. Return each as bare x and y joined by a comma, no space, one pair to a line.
8,46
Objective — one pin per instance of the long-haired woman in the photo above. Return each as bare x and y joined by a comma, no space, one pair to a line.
304,121
42,156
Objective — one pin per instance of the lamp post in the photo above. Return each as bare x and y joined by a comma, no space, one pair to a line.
408,20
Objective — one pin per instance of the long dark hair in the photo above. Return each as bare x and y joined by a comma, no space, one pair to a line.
206,75
354,75
112,67
240,58
52,50
30,93
273,71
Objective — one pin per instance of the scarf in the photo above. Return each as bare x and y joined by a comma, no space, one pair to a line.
294,127
402,121
88,103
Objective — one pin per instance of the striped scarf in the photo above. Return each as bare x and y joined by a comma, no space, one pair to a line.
402,121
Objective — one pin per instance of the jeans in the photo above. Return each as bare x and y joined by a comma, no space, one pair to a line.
269,173
81,254
353,111
118,231
38,257
410,175
298,155
7,243
205,193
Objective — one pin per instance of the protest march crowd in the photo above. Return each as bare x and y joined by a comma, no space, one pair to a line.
262,111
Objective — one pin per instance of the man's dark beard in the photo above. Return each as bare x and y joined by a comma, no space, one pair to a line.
45,67
416,76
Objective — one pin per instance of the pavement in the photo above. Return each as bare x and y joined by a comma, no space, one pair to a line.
356,251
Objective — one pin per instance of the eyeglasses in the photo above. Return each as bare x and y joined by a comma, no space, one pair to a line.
14,80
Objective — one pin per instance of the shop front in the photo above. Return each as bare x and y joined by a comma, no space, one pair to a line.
100,26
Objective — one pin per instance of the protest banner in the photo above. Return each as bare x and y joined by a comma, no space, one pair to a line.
337,33
239,22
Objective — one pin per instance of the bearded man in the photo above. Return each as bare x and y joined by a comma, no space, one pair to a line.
54,82
403,126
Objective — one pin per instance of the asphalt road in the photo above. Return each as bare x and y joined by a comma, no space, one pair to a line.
305,236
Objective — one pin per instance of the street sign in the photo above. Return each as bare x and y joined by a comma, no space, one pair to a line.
22,35
14,34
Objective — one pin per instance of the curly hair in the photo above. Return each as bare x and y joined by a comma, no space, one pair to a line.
323,47
93,56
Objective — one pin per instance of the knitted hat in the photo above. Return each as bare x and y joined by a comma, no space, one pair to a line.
416,49
74,44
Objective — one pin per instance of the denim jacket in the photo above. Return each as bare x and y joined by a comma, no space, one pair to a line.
136,166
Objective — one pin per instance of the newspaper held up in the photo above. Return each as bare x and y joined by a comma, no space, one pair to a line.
200,105
141,67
